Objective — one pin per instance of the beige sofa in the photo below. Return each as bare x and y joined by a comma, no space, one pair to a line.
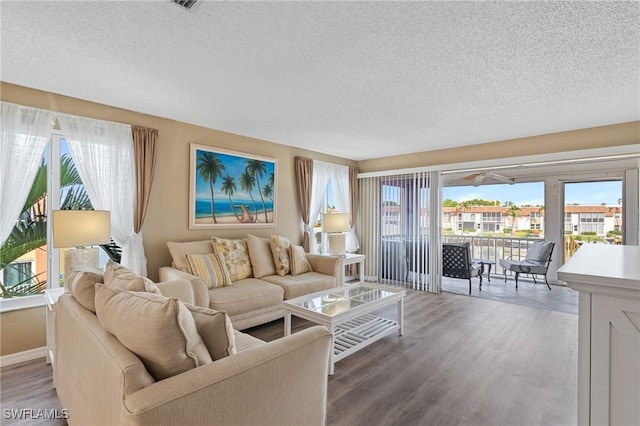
258,299
102,382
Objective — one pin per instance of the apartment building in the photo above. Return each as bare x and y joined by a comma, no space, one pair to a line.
578,219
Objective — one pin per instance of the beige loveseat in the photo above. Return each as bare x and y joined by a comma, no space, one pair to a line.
258,298
103,382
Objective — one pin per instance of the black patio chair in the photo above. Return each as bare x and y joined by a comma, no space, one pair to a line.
456,263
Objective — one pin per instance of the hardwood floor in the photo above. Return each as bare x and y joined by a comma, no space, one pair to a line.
462,360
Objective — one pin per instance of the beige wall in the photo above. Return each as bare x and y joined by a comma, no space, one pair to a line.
22,330
595,137
167,217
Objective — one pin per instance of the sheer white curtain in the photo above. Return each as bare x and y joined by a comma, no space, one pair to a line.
340,186
321,176
103,154
25,134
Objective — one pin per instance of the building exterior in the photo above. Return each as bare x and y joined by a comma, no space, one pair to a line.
484,219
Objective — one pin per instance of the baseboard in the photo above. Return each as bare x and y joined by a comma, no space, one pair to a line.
23,356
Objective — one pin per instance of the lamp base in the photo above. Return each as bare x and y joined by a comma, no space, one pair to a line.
337,243
76,259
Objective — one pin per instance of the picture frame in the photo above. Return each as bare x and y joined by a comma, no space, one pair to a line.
230,189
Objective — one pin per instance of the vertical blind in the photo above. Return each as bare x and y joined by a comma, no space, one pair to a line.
396,229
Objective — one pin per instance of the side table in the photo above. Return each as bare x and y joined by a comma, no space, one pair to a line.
51,298
353,259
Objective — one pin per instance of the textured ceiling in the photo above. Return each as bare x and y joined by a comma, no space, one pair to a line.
354,79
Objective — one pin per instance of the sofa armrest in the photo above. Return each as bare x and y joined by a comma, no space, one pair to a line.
182,289
328,265
199,288
283,382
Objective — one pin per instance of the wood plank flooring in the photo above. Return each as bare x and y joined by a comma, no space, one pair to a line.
462,360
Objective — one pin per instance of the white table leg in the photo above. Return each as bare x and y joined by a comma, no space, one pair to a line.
401,317
331,351
361,271
287,323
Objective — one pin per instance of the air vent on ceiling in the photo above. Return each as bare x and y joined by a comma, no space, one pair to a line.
187,4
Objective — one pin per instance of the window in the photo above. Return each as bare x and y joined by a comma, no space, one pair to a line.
535,215
17,273
535,226
56,186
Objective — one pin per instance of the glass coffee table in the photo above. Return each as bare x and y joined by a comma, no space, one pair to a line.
347,312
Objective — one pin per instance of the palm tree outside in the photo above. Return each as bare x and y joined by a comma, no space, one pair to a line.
30,231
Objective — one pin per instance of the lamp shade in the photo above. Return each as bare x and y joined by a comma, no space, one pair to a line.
335,222
73,228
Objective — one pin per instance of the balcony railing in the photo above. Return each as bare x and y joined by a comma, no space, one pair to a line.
494,248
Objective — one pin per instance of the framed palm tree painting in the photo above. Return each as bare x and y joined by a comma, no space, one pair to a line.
231,189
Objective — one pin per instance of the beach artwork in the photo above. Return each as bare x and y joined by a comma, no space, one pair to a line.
231,189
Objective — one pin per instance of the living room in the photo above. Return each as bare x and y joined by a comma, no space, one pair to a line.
612,127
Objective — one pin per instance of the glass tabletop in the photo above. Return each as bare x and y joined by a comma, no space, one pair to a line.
341,300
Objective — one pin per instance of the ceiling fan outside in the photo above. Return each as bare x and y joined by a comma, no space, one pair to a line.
479,178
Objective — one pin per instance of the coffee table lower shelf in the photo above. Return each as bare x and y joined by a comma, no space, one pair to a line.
359,332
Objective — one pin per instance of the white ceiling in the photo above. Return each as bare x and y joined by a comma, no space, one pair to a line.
358,80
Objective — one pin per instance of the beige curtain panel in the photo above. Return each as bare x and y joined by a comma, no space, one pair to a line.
145,151
304,179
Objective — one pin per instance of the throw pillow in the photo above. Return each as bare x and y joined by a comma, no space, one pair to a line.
116,275
159,330
216,331
298,260
280,252
236,257
260,256
81,284
211,268
179,252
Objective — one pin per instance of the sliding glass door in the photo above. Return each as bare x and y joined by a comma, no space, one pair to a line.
398,224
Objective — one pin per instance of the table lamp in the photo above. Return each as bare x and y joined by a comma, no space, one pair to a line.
79,229
336,224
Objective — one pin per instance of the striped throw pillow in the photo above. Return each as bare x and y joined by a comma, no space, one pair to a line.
298,260
211,268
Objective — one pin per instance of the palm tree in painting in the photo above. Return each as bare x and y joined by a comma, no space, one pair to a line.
267,191
229,187
257,169
247,183
210,169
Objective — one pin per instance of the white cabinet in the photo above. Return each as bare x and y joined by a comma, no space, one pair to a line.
608,279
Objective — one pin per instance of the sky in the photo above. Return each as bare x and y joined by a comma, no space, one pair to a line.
589,193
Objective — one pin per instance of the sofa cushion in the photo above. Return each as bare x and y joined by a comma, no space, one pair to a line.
116,275
260,255
216,331
160,331
179,252
211,268
244,296
298,260
82,286
299,285
236,257
539,251
280,251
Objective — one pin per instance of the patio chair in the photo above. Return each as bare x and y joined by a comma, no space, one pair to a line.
456,263
536,262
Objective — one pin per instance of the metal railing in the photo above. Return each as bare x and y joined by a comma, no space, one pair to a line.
494,248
